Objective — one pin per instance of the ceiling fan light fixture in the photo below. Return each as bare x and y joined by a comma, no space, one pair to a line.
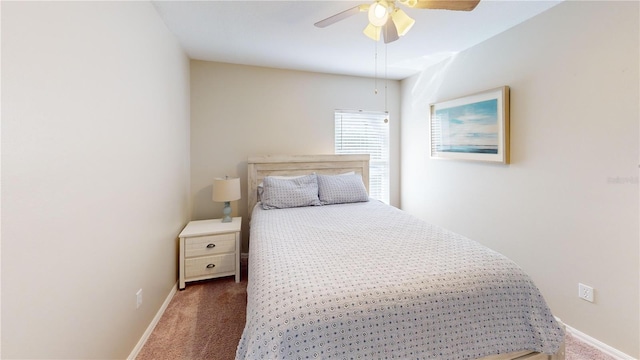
385,17
409,3
402,21
373,32
378,13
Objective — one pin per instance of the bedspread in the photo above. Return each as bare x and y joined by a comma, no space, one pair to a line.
366,280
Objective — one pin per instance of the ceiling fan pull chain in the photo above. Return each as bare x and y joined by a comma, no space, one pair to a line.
386,78
375,73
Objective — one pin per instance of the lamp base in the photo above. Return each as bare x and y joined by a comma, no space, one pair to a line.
227,212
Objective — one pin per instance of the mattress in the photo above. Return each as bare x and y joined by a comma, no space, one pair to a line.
366,280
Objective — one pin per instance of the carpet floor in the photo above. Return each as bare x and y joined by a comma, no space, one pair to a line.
205,321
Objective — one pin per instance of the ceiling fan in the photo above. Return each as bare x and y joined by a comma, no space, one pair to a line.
387,18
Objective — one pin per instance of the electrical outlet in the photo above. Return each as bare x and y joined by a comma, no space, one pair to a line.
138,298
585,292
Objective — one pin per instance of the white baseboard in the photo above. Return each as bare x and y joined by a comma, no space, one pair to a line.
613,352
154,322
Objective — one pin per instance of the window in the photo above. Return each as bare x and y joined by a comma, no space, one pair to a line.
366,132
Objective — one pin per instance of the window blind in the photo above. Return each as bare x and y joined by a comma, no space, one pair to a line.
366,132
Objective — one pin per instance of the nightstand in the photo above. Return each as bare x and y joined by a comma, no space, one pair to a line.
209,249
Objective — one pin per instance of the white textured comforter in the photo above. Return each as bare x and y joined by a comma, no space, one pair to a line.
366,280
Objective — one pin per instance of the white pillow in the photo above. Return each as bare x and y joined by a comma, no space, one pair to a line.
281,193
341,189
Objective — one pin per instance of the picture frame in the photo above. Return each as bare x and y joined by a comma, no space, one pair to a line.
474,127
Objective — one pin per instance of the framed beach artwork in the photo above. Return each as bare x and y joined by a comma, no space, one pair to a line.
474,127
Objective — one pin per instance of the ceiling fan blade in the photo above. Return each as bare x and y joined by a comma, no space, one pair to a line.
390,32
341,15
460,5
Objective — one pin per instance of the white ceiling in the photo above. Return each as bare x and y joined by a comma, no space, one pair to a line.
281,34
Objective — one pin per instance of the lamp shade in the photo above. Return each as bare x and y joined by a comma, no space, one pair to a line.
227,189
373,32
378,14
402,21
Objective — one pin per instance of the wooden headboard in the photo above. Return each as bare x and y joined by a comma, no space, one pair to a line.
288,165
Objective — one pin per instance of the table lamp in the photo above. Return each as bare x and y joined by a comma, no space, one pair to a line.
226,190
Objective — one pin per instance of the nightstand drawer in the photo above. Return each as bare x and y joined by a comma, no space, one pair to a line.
210,245
210,265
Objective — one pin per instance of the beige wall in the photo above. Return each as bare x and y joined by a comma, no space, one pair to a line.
95,175
566,209
238,111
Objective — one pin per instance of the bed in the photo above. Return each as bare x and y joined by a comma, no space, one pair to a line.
360,279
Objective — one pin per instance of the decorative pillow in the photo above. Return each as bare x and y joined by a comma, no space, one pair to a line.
341,189
287,193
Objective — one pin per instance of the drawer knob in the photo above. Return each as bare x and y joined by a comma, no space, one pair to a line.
211,266
211,246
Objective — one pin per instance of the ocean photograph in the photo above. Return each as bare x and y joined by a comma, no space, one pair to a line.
470,128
